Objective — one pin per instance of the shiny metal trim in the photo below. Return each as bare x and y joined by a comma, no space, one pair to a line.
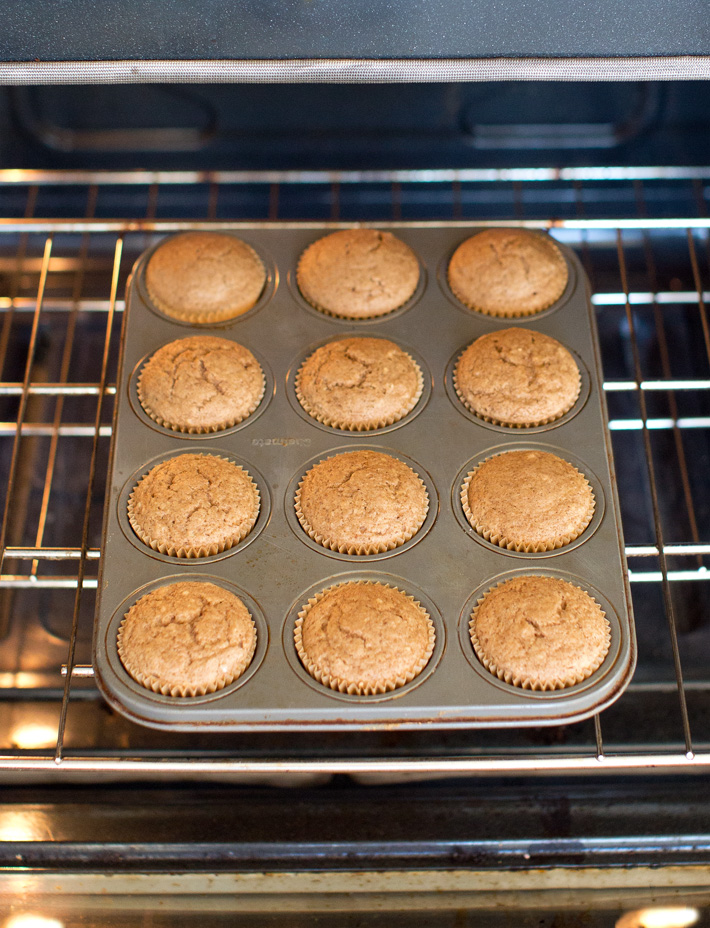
356,70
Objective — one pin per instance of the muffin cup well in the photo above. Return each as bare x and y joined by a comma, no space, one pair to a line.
497,538
527,683
372,424
361,688
342,547
196,551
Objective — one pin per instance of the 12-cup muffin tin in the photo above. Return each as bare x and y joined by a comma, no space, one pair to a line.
446,566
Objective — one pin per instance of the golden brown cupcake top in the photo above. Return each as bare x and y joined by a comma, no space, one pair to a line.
358,273
528,501
359,383
201,384
508,272
517,377
361,502
194,505
187,639
540,632
364,638
204,277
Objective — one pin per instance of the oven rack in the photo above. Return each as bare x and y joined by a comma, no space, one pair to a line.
643,236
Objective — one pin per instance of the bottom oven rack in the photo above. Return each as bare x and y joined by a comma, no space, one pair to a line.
643,236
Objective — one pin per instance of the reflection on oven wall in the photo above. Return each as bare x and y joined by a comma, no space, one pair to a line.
354,126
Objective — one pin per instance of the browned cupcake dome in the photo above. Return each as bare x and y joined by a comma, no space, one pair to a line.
358,273
361,502
187,639
517,377
204,277
540,633
194,505
528,500
508,272
201,384
364,638
359,383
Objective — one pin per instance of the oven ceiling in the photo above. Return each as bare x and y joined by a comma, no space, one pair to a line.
87,30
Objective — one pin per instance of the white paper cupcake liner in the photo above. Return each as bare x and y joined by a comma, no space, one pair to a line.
360,688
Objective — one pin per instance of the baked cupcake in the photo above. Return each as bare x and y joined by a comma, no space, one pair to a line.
204,277
361,502
187,639
201,384
517,377
527,501
194,505
364,638
358,273
359,384
539,633
508,272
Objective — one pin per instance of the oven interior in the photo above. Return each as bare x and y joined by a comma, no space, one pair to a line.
92,176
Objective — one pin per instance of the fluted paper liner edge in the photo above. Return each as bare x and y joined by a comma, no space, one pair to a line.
372,424
534,423
499,539
196,430
215,315
521,313
361,688
352,316
342,547
194,551
521,681
153,683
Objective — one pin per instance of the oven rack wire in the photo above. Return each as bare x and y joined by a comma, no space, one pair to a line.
643,236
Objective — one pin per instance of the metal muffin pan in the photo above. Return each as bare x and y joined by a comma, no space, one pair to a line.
444,564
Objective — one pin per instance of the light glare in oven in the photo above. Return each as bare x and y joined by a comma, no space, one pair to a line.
32,921
671,916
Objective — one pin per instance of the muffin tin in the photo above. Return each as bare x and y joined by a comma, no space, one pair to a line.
276,568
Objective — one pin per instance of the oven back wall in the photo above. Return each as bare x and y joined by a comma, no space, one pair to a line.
351,126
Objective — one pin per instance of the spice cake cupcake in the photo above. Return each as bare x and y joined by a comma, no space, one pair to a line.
187,639
539,633
364,638
359,383
201,384
358,273
194,505
517,377
527,501
204,277
361,502
508,272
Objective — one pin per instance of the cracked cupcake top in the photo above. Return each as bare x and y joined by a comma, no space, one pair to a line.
358,273
201,384
517,377
540,632
528,500
359,383
187,639
194,505
508,272
204,277
364,638
361,502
